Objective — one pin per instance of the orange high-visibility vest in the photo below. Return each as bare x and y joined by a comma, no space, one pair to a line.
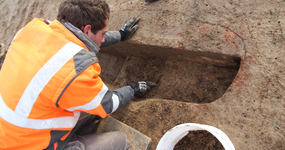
47,78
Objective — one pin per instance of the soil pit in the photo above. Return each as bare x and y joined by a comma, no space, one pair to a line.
177,78
181,77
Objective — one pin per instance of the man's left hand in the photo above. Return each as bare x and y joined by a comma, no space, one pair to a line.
129,28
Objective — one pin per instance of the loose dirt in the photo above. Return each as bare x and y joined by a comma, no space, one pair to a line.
199,140
176,79
182,81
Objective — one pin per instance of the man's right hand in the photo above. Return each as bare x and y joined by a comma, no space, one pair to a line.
141,87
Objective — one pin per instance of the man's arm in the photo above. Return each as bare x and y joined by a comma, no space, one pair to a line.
126,31
88,93
111,37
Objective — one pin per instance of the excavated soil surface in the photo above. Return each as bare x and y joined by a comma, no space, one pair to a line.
197,82
183,81
179,80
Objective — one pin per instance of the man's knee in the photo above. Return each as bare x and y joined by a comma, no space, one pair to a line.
109,140
115,140
123,139
74,145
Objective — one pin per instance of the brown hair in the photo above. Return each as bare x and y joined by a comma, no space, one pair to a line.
84,12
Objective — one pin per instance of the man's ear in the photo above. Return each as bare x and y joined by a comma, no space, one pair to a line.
87,30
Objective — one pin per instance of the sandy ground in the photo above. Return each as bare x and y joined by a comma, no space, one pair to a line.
218,63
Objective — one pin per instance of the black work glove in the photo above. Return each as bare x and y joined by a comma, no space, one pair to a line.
128,28
141,87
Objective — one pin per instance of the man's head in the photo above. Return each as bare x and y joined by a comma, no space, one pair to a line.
90,16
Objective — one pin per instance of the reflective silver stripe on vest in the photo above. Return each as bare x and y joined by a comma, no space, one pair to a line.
116,102
53,123
94,103
43,76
